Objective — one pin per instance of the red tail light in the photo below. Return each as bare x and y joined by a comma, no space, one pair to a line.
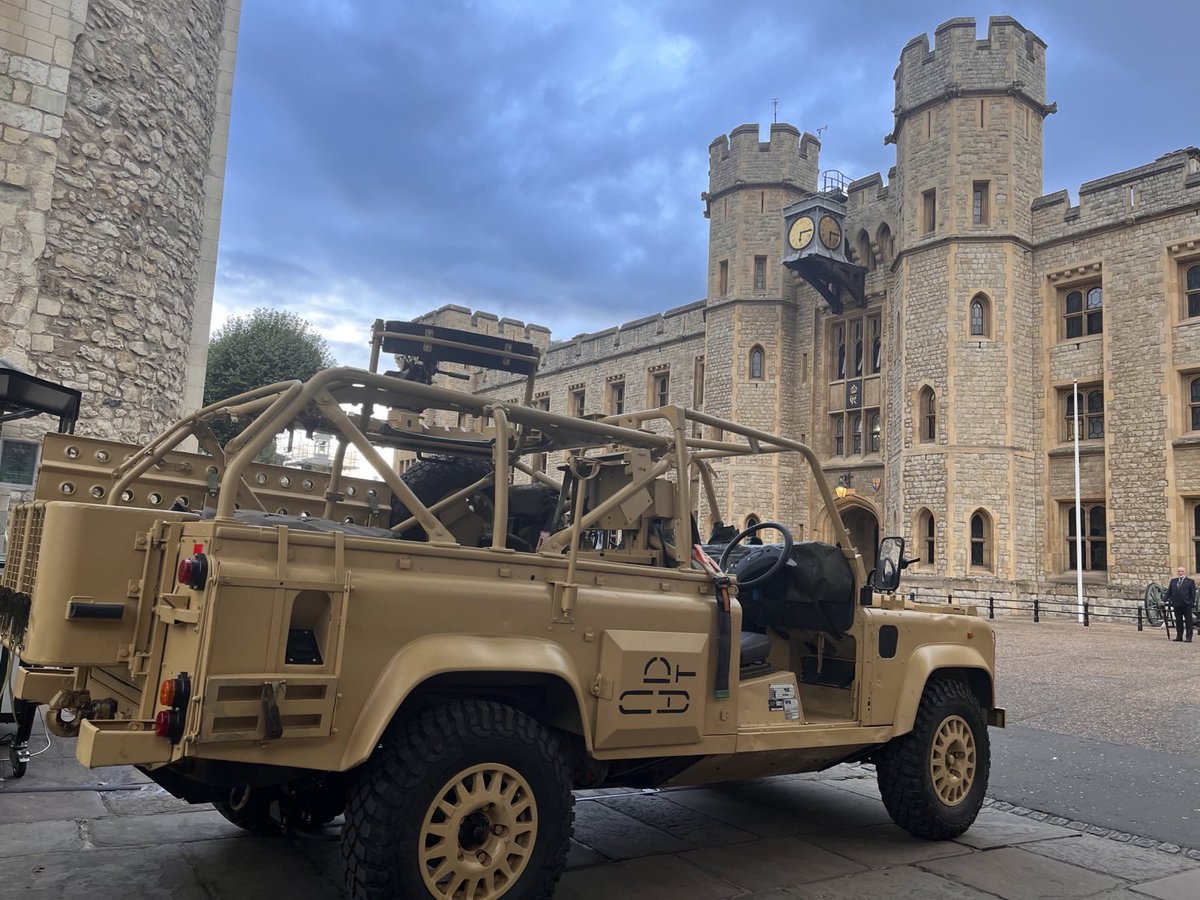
162,723
166,693
193,571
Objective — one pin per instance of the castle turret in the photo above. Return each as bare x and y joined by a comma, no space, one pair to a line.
968,132
751,347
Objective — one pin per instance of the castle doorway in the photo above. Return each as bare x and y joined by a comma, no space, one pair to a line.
863,527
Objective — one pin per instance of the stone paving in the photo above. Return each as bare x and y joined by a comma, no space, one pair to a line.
68,832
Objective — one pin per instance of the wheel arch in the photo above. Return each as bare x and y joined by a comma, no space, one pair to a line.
942,660
536,676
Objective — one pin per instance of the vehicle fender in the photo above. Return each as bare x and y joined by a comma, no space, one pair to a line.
923,663
428,657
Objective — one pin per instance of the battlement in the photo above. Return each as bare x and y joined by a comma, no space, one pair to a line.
869,188
454,316
740,158
1171,181
1011,58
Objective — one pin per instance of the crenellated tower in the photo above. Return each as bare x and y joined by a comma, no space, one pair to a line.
968,136
751,347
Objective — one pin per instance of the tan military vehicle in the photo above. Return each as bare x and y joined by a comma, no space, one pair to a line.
445,655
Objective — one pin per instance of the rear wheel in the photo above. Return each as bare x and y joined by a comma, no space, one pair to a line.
1154,603
934,778
469,799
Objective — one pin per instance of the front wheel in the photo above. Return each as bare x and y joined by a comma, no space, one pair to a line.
469,799
934,778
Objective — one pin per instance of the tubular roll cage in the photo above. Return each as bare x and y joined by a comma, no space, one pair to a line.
516,430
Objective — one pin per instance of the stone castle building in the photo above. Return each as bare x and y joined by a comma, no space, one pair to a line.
985,301
114,119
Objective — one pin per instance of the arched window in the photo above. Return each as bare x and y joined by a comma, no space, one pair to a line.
756,363
839,343
883,240
858,348
981,540
1194,404
1091,415
862,250
751,521
981,325
856,443
839,436
928,416
926,537
874,429
1192,292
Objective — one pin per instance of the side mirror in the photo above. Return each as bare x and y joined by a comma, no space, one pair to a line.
888,565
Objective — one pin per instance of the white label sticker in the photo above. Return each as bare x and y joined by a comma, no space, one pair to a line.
778,696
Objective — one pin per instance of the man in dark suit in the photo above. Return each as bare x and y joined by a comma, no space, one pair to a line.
1182,597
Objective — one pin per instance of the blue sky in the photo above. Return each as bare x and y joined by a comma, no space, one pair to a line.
544,159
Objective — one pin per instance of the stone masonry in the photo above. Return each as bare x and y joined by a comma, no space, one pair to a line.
970,273
114,122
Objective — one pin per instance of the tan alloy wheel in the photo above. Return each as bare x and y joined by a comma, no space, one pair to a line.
952,760
478,834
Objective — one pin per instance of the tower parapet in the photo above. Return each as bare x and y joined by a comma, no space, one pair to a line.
740,159
1011,58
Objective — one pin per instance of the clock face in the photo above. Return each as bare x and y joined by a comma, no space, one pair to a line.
800,235
831,232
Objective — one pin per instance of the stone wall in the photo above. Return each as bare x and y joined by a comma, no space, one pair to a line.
113,119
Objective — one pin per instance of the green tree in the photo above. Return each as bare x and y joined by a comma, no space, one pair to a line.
267,346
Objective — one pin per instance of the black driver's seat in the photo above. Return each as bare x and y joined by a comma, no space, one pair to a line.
755,648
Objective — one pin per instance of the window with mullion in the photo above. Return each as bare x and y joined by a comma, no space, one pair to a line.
1095,538
1091,415
1192,292
1194,404
1083,312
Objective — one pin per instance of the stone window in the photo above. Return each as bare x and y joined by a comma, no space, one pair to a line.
979,202
542,403
856,433
576,402
981,540
856,332
862,251
751,521
885,243
873,430
1095,537
1091,414
698,383
1083,312
660,389
723,278
756,363
616,397
928,407
760,273
929,212
18,462
1191,292
926,537
839,351
876,357
981,324
1196,538
839,435
1194,403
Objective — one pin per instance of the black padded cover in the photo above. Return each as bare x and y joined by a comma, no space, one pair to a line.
814,590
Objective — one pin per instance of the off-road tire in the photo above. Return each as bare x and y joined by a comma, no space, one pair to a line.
905,772
391,794
433,478
253,815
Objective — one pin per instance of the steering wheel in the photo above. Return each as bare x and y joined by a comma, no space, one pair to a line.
779,563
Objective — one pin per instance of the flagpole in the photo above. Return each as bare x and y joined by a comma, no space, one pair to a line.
1078,506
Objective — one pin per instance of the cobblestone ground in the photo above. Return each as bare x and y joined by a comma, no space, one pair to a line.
68,832
1108,682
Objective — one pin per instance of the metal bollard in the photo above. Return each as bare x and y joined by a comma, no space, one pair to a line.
1085,614
991,607
1036,617
1139,610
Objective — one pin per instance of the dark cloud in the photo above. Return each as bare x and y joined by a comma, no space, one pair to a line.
544,159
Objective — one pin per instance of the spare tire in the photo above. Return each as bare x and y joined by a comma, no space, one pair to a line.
433,478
